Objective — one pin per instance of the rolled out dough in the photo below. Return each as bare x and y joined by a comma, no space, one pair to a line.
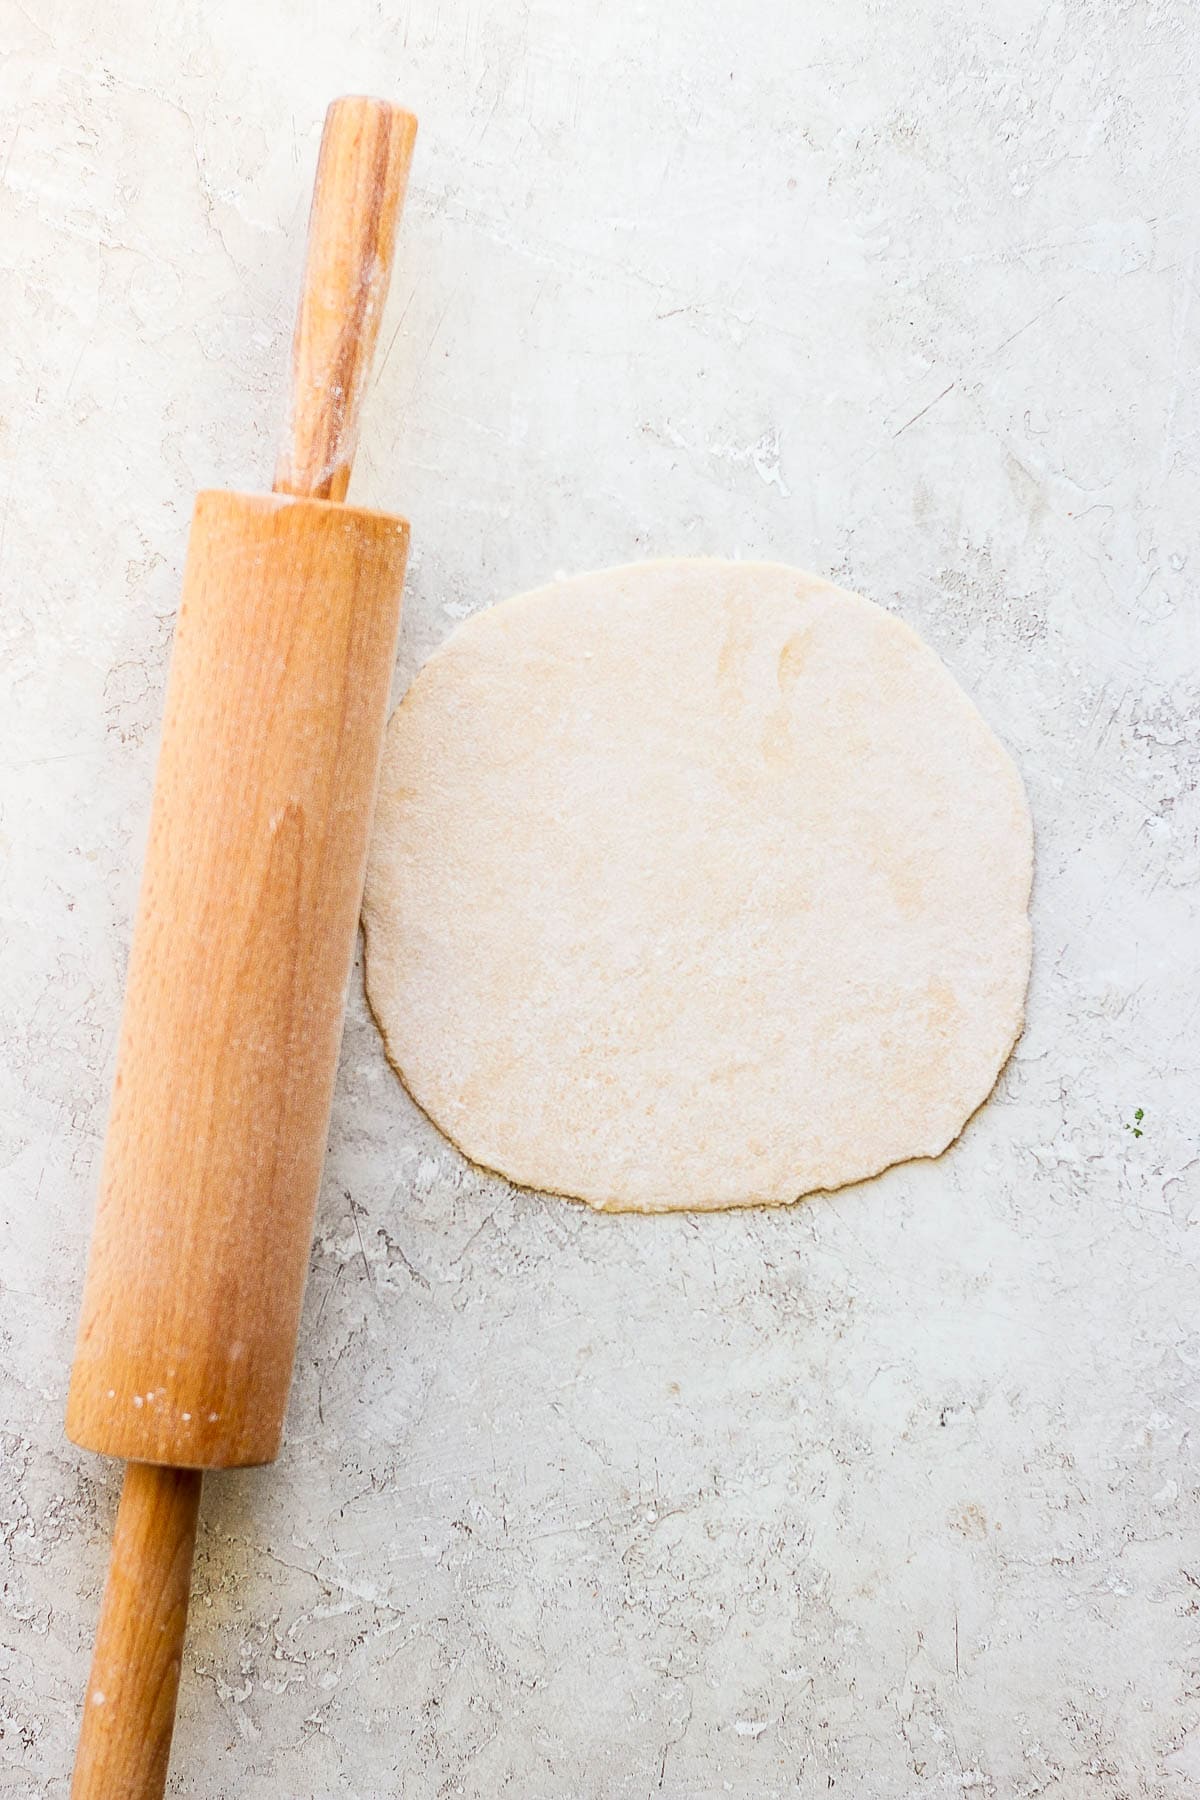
695,884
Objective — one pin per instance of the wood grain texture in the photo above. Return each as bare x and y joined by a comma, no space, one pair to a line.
129,1709
244,940
363,169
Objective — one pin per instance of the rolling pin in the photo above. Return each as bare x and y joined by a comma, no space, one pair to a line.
241,958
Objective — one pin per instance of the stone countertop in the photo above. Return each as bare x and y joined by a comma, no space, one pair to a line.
892,1494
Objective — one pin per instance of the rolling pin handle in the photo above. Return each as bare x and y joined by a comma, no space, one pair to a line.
361,176
129,1708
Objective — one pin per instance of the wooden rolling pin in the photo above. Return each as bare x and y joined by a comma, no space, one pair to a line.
241,957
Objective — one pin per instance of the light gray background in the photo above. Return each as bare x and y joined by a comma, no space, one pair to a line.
896,1493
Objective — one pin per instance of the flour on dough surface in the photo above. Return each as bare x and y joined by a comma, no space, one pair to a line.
695,884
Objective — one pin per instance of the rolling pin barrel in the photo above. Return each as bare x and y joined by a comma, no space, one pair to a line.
236,988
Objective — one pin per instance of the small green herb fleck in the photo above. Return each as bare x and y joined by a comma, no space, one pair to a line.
1136,1127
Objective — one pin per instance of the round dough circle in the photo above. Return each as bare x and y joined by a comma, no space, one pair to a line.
695,884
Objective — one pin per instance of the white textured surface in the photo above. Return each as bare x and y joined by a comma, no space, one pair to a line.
894,1494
